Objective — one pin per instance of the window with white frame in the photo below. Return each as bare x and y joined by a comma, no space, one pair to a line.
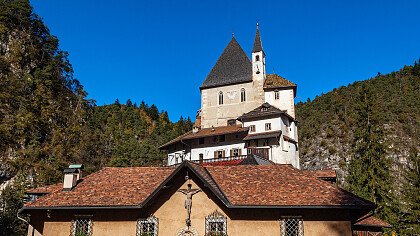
276,95
216,224
267,126
81,227
291,226
220,98
147,226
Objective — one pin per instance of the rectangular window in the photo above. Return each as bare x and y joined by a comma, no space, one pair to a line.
276,95
216,224
267,126
81,227
147,226
235,152
201,141
252,128
219,154
291,227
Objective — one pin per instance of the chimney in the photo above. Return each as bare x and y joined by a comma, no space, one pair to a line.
71,176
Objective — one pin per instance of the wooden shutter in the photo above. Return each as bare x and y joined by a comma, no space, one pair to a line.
231,152
223,153
239,151
215,154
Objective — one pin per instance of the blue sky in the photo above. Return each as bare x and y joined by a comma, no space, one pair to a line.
161,51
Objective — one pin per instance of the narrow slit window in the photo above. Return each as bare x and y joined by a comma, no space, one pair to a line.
243,95
276,95
220,98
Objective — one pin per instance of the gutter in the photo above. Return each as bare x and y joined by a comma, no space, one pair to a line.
20,218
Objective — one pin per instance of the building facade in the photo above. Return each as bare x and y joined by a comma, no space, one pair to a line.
236,86
243,200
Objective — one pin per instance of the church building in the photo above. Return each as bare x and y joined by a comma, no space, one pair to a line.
244,111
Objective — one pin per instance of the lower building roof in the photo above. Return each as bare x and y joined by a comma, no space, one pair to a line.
273,134
273,186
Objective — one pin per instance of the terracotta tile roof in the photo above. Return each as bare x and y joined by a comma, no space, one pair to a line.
279,185
328,173
45,189
272,134
369,220
232,67
235,186
273,81
110,186
224,163
206,133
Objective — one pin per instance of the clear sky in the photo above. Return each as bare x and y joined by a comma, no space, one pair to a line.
161,51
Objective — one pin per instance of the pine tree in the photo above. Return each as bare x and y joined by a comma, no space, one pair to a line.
369,170
411,194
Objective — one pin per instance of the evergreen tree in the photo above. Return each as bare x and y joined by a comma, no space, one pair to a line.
411,195
369,170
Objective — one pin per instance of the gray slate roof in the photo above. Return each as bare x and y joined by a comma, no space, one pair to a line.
257,42
232,67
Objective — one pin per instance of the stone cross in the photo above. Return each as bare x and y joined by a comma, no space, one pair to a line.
188,202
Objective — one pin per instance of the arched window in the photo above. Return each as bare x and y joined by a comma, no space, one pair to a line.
147,226
220,98
257,58
216,224
243,95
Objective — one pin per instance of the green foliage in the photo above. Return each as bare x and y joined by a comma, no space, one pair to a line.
393,104
47,122
411,196
11,201
369,170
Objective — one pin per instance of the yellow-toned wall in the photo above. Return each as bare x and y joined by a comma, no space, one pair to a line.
52,228
169,209
330,228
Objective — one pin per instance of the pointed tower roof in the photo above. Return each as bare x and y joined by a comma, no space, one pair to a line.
232,67
257,41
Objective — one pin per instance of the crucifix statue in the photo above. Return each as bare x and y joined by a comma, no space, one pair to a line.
189,192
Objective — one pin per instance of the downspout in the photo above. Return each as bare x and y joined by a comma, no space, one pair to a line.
20,218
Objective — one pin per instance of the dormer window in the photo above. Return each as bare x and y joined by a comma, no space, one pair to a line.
243,95
220,98
257,58
276,95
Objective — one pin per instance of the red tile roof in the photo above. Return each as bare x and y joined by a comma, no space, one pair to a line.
369,220
328,173
110,186
243,185
278,185
45,189
207,132
223,163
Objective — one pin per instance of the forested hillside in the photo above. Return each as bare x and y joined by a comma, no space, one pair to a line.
369,132
327,123
46,122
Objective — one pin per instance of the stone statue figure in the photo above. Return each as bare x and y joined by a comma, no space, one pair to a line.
188,202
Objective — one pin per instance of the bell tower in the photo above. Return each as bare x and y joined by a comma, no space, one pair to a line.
258,67
258,58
